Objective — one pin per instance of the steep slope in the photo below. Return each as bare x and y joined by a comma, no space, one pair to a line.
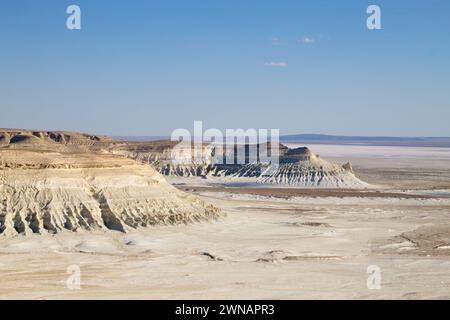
301,167
297,167
49,191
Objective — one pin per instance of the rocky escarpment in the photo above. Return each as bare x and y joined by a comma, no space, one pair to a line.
54,189
301,167
53,140
297,167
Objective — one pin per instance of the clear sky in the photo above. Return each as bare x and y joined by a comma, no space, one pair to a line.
149,67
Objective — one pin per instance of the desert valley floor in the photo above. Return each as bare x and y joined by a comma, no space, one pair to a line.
302,246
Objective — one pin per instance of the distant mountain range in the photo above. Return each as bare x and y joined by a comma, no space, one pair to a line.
437,142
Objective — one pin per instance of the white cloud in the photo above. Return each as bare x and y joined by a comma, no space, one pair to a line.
276,64
307,40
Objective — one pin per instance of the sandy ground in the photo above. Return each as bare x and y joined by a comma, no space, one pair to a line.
264,248
300,247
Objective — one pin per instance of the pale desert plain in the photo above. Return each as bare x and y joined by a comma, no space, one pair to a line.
268,244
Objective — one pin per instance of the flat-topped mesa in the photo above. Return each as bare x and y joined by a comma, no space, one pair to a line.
301,167
52,140
189,159
51,190
298,154
297,167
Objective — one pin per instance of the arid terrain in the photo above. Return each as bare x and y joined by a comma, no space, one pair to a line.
262,242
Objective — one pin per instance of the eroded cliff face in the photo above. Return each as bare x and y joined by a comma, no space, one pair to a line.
56,181
297,167
301,167
53,140
46,187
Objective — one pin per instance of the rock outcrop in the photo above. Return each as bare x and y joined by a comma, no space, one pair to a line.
49,184
297,167
301,167
53,140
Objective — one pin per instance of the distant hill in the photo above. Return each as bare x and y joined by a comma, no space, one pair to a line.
442,142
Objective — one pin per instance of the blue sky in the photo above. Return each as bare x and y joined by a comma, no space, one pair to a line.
149,67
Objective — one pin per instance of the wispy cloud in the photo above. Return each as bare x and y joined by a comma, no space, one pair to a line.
307,40
276,64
